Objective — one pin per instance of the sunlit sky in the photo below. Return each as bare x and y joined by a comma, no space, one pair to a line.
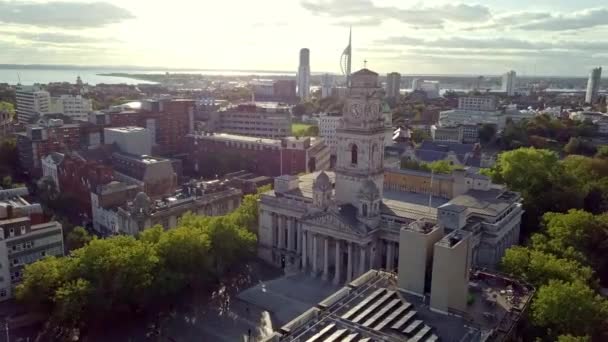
541,37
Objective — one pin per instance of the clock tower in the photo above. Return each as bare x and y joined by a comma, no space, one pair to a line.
360,150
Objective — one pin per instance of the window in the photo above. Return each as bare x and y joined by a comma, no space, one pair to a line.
364,209
3,293
22,230
353,154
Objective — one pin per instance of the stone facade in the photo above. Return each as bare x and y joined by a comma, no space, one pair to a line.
339,226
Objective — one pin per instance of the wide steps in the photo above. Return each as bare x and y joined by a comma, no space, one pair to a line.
410,329
401,309
403,320
382,312
321,334
336,336
373,307
363,303
421,334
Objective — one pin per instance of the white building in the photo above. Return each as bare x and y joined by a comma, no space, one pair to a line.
31,100
593,85
304,74
415,84
339,226
328,124
132,140
477,103
473,110
76,107
509,83
49,166
598,118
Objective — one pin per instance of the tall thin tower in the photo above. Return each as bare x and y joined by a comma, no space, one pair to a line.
304,74
593,85
346,58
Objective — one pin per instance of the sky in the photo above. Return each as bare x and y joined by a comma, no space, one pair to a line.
541,37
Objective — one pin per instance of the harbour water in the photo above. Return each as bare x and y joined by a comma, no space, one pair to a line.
93,76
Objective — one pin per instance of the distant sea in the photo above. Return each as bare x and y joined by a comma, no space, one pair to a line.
92,76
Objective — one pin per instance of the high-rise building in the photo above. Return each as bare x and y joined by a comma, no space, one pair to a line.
31,100
304,74
508,83
593,84
393,84
327,82
415,84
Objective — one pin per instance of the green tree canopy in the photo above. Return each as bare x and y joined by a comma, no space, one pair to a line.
569,308
78,238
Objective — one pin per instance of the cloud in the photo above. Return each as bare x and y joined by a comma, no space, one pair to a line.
495,43
54,37
423,17
62,14
577,20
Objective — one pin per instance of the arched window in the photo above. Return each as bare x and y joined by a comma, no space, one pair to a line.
364,209
353,154
374,148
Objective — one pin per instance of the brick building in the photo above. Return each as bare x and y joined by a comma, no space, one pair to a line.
223,153
42,139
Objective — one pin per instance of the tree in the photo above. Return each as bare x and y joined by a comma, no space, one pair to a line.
526,169
487,132
570,338
573,146
539,268
7,107
569,308
419,135
442,166
72,300
40,281
78,238
602,152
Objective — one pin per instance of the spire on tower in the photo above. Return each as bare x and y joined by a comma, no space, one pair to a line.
346,59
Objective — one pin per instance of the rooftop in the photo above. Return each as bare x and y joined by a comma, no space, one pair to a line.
490,202
127,129
372,308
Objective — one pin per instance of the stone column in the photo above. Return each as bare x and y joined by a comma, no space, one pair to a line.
299,236
304,251
281,232
337,274
349,266
362,267
326,258
290,234
390,257
315,255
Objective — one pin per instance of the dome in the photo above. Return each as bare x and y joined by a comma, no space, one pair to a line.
369,190
141,203
322,182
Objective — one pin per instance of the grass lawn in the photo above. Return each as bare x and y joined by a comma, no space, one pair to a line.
299,127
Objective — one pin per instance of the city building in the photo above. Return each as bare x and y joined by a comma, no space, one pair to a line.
105,199
130,139
262,156
168,121
75,107
473,111
393,85
430,88
5,123
156,176
593,85
31,101
380,305
211,198
339,225
327,82
598,118
455,153
285,91
509,83
304,75
50,165
328,124
259,119
77,175
415,84
24,238
40,140
263,89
